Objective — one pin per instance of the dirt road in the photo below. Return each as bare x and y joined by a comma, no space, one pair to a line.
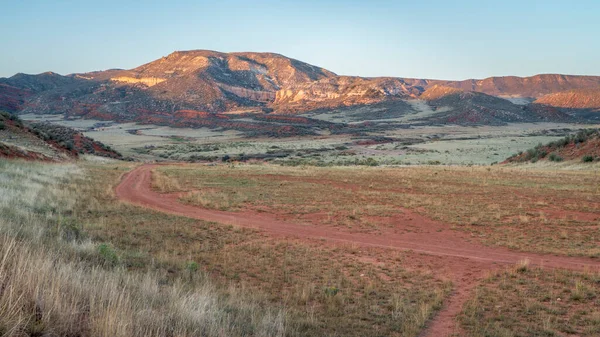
467,259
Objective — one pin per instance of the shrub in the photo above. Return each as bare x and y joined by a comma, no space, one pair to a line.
587,159
371,162
331,291
192,268
2,126
555,157
108,254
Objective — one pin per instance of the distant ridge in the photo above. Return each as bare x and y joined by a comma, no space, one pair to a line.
211,82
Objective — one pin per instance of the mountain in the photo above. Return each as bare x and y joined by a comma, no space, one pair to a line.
344,91
191,87
588,98
189,80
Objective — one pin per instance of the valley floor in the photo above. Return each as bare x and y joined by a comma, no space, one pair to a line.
323,251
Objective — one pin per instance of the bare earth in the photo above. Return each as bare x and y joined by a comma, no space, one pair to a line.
467,261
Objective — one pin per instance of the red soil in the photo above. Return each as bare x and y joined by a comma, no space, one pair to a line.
466,261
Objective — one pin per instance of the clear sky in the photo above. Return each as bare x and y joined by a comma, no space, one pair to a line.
424,39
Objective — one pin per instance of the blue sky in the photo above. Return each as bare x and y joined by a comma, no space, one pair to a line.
424,39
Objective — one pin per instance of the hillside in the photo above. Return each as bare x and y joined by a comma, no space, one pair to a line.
533,86
343,91
455,106
43,141
588,98
583,146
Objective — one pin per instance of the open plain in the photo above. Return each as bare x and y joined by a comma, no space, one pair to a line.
394,209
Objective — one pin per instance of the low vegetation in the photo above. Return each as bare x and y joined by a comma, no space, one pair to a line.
53,142
326,290
126,270
497,205
57,280
583,144
72,140
525,301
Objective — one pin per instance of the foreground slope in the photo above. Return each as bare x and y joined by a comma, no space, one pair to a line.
44,141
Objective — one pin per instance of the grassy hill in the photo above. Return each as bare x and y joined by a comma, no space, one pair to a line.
44,141
583,146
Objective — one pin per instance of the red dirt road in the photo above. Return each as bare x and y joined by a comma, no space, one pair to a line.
467,260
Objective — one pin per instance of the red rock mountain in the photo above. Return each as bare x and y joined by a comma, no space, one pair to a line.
204,82
213,81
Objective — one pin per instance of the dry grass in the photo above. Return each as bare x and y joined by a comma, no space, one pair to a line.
55,281
326,290
215,199
533,302
541,210
163,183
44,292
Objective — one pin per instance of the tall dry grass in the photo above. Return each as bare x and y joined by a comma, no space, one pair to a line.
45,292
163,183
52,281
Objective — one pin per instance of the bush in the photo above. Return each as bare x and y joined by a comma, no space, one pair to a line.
2,125
108,254
555,157
371,162
331,291
587,159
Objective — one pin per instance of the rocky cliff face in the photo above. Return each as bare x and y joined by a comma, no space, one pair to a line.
344,91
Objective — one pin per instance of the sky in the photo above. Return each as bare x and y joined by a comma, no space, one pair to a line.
421,39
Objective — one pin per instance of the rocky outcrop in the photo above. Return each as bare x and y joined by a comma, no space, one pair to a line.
343,91
147,81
